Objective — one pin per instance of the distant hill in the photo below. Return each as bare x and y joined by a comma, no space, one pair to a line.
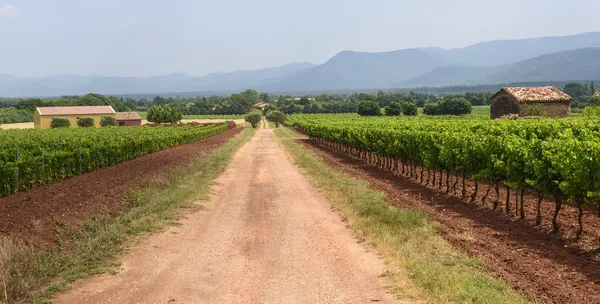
500,52
453,75
581,64
355,70
59,85
429,66
503,61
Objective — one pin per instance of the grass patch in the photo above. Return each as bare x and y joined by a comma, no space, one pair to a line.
427,267
93,248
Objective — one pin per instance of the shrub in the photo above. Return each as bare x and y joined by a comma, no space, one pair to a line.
60,122
163,114
368,108
268,109
14,115
409,109
431,109
277,117
108,121
592,111
595,101
85,122
253,118
393,109
453,106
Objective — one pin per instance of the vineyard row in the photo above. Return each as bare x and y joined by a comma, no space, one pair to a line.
555,158
29,158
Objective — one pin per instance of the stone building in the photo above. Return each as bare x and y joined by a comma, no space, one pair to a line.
530,101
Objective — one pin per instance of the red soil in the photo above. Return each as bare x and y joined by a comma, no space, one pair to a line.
543,266
33,214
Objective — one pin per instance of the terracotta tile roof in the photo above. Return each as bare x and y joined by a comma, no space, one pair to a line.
128,116
537,94
88,110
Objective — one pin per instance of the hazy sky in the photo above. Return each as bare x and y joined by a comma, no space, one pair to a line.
150,37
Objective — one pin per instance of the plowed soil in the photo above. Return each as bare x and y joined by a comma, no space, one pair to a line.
32,215
544,266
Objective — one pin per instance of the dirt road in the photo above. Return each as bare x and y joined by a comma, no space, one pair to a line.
267,236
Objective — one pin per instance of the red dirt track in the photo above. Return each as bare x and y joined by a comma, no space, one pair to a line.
542,266
33,214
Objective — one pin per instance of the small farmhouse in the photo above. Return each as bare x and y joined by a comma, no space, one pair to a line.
129,119
43,116
597,94
531,101
262,105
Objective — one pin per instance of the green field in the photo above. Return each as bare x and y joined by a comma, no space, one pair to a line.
32,157
554,157
479,112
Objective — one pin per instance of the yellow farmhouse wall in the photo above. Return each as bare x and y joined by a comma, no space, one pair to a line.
43,122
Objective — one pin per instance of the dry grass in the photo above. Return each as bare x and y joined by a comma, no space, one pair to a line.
18,269
22,125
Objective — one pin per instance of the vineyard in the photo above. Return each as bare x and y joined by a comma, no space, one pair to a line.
30,157
555,158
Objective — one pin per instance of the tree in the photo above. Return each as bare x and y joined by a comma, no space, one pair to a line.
60,122
251,97
393,109
409,109
431,109
268,109
449,106
304,101
368,108
159,101
594,101
576,90
253,118
163,114
85,122
592,88
29,104
265,97
92,99
108,121
315,108
277,117
365,96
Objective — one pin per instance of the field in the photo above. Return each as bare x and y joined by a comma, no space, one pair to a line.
556,158
462,209
29,157
480,112
526,188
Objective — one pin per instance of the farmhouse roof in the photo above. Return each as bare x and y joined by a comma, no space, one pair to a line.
536,94
88,110
597,94
263,104
128,116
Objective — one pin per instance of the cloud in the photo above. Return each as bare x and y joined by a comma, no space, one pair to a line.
9,10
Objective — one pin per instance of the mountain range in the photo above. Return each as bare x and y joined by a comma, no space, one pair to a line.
563,58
